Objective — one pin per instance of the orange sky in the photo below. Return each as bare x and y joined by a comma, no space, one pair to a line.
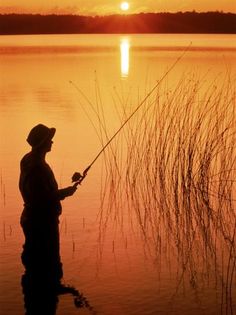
101,7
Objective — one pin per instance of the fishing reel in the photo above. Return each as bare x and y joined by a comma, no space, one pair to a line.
77,178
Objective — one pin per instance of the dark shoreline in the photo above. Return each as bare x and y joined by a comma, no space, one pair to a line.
142,23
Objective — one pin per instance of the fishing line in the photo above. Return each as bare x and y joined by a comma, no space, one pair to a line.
77,177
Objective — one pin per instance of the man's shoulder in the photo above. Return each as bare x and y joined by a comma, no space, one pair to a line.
30,160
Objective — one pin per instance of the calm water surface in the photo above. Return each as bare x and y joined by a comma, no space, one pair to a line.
116,274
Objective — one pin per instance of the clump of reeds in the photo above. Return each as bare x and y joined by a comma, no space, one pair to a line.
171,172
173,169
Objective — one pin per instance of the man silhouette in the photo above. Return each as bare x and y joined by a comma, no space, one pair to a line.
42,207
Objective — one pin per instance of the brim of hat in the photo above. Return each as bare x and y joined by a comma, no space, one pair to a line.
52,132
50,135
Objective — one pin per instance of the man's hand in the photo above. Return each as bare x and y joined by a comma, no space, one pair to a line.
69,191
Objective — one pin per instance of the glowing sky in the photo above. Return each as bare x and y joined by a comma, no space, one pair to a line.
101,7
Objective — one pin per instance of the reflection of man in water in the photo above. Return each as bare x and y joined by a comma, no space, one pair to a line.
42,205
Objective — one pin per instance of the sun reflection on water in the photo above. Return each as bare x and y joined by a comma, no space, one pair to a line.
124,56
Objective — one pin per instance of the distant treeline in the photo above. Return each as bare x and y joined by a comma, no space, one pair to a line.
181,22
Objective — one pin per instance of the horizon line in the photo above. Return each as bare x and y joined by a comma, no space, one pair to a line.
119,14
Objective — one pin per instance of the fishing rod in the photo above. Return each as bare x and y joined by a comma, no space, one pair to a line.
77,177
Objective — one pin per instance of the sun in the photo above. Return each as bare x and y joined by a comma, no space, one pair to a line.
124,6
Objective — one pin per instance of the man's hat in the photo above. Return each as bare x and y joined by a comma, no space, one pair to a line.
40,134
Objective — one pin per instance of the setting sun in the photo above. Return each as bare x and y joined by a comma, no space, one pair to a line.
124,6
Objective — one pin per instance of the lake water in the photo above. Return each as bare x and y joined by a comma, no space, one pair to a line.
104,256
